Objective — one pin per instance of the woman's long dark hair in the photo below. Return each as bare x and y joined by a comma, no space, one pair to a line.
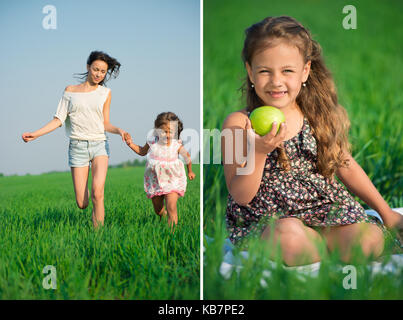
113,66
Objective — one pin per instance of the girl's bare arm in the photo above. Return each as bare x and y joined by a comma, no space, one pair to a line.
243,187
188,160
357,181
142,151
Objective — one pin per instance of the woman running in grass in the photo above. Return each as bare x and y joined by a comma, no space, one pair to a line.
164,176
85,109
293,172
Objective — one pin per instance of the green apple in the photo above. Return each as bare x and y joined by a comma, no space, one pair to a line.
262,119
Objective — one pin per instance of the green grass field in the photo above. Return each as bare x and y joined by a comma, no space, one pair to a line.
135,256
366,64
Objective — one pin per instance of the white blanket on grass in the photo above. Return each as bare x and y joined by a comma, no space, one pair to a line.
231,262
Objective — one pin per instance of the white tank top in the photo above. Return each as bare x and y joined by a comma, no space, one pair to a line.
83,114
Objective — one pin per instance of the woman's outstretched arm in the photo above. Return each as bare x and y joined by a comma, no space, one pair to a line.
49,127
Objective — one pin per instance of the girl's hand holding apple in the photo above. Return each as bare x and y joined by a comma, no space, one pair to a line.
267,143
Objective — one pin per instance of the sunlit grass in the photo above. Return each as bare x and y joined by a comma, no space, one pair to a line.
134,256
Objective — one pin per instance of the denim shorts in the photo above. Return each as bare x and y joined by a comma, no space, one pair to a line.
81,152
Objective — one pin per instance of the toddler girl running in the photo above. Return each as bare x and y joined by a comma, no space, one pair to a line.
164,176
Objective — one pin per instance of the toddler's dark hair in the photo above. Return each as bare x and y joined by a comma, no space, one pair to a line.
166,118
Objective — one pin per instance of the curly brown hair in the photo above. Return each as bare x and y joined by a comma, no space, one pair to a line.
317,101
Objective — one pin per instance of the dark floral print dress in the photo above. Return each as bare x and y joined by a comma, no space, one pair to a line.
302,193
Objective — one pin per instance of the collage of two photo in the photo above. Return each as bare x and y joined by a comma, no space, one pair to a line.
201,150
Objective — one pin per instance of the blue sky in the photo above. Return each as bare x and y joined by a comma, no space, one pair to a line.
156,41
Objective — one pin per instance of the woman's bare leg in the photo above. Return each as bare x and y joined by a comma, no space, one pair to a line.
343,238
297,241
80,183
99,169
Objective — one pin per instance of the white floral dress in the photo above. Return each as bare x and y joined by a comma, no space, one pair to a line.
165,172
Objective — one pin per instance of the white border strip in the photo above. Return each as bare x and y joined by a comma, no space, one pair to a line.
201,150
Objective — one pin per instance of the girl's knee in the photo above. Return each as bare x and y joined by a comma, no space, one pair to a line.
172,210
171,206
159,210
290,230
158,206
291,226
372,242
296,246
368,237
297,250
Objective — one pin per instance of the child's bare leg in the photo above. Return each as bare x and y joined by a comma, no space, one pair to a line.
80,183
367,235
171,199
158,204
297,241
99,170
